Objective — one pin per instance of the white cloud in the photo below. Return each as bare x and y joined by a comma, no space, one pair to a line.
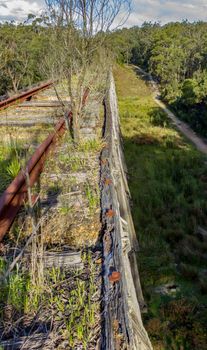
18,9
168,10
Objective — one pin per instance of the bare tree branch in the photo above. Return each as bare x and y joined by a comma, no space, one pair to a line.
79,30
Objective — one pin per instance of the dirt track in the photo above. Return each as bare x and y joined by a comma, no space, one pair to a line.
184,128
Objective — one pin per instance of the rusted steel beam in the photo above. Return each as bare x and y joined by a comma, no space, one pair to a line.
16,193
24,95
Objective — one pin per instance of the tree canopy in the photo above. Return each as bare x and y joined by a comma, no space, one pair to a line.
176,55
21,50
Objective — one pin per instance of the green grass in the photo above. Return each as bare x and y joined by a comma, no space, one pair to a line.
9,163
69,298
93,145
92,196
13,168
13,289
168,183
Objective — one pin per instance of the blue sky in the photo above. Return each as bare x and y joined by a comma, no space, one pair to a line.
143,10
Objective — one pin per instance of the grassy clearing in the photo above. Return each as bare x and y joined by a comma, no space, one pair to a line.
168,183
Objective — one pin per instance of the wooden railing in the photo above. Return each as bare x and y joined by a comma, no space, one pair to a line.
123,299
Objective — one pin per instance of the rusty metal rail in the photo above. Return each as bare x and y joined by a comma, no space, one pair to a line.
16,193
24,95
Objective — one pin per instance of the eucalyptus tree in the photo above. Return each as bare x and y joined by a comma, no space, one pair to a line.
79,34
21,49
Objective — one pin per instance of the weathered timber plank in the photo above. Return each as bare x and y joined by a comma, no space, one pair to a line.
123,327
32,342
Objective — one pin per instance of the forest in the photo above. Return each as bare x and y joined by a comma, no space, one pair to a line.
176,56
21,49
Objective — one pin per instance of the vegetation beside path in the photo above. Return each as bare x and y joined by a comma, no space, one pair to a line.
168,183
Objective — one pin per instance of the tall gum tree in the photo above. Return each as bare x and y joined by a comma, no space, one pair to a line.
79,29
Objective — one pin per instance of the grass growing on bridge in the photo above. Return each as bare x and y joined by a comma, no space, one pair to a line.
9,163
168,183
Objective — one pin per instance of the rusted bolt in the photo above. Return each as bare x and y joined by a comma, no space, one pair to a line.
70,115
116,325
108,181
104,161
115,276
110,213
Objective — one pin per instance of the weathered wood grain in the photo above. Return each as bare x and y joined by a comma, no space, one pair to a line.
34,342
123,299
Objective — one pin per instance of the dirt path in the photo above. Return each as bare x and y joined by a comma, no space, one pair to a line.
199,143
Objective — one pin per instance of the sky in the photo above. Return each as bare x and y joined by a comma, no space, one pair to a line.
142,10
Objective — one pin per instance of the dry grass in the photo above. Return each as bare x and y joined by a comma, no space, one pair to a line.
127,78
68,215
